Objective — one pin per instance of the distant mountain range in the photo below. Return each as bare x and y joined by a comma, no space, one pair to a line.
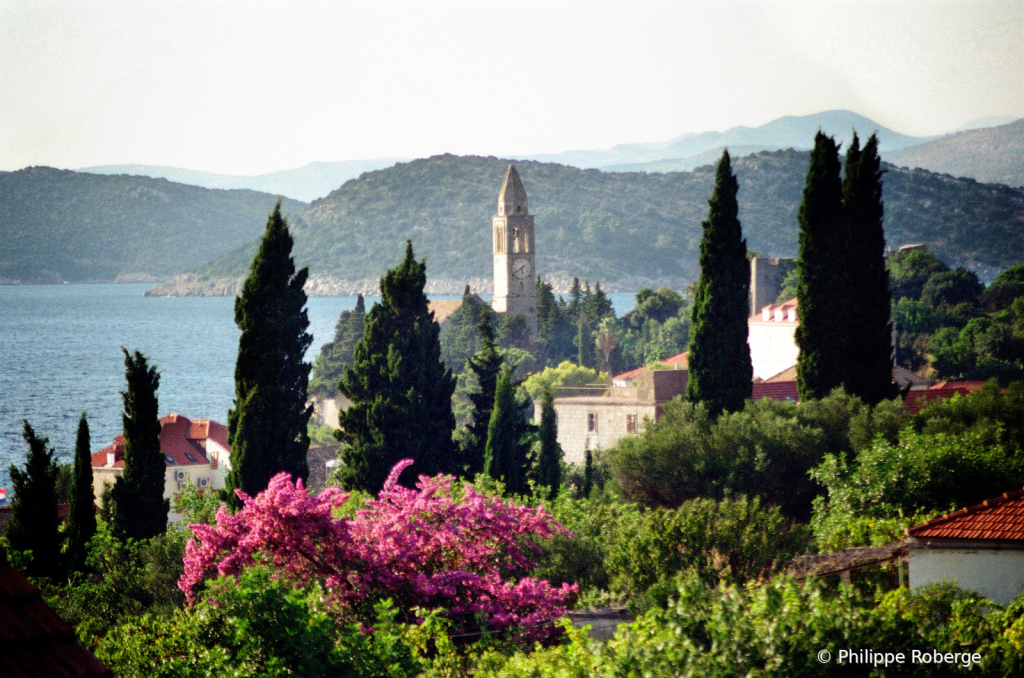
692,150
62,226
307,183
680,154
993,155
626,229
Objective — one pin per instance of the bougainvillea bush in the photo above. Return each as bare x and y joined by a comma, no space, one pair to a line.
432,547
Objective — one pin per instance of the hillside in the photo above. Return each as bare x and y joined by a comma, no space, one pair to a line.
63,226
685,152
626,229
992,155
306,183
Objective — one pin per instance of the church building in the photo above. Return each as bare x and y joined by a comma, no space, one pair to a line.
515,270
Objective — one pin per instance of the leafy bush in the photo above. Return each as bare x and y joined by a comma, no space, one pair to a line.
258,626
766,450
777,630
734,541
920,474
566,374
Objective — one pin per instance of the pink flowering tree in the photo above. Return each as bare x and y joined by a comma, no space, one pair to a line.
422,548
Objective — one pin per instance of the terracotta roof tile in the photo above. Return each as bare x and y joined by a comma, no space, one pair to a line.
775,390
34,641
917,399
999,519
679,360
181,438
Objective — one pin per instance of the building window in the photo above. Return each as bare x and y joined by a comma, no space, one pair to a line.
630,423
515,239
591,422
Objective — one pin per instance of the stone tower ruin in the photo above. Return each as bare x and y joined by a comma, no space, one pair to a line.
515,271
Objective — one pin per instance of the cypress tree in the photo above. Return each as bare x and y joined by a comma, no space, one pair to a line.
822,282
401,391
486,365
868,326
267,428
586,355
588,472
549,467
719,358
507,452
140,510
81,500
35,522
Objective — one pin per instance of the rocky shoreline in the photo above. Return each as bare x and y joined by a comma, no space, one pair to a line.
192,285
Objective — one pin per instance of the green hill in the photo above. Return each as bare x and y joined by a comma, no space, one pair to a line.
623,228
58,225
992,154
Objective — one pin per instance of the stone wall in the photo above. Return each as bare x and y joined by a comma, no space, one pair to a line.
572,417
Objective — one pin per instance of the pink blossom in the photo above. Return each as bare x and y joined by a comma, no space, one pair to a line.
420,547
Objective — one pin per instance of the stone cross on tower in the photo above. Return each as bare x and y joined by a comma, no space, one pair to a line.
515,273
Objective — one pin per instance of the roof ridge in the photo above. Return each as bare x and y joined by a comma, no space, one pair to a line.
967,510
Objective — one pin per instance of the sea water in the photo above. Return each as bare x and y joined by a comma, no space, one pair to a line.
60,355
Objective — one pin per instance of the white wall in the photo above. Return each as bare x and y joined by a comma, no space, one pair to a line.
772,347
997,574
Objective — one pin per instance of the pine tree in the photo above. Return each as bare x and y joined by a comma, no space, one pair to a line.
549,460
267,428
868,327
486,365
140,510
507,452
719,357
586,355
575,298
35,522
822,279
401,391
81,500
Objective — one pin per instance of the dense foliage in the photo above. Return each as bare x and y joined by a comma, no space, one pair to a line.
626,228
400,390
719,357
779,631
58,225
947,320
140,510
507,452
267,425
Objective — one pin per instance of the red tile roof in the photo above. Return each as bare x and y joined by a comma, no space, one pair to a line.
180,438
999,519
679,360
784,308
917,399
34,641
776,390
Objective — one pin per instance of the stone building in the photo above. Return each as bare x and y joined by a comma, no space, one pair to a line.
592,418
515,270
771,334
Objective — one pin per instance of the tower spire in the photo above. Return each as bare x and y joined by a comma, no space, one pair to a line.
512,196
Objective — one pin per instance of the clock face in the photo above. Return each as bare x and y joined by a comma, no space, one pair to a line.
521,269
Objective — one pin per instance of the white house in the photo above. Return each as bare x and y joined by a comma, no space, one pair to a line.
981,548
195,451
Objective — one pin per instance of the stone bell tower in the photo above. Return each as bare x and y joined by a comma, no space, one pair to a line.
515,272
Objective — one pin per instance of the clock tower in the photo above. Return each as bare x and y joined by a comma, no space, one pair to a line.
515,272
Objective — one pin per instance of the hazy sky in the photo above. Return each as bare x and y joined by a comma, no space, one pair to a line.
251,87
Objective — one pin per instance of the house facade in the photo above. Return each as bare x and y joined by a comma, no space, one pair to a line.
195,451
980,548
